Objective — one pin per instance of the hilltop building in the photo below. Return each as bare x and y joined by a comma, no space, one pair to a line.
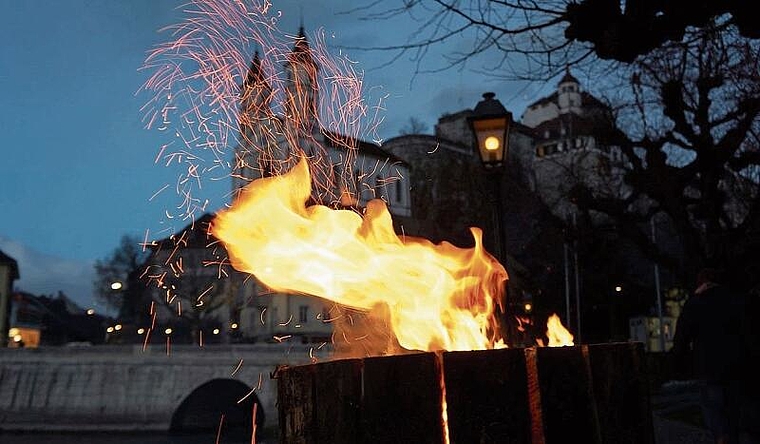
555,146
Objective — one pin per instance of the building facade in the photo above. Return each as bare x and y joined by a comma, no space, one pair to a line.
189,274
346,173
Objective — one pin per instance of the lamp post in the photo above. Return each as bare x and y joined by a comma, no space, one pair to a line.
490,123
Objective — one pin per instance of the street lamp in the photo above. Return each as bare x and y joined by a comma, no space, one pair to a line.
490,123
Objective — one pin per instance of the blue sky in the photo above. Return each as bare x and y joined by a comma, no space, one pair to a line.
77,166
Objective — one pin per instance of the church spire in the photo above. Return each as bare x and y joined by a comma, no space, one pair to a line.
255,93
254,72
302,83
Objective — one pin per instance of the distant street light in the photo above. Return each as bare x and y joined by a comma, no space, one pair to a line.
109,329
490,124
168,331
140,331
90,311
117,327
116,285
618,288
216,331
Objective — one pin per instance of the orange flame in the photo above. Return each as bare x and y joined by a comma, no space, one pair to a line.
557,334
438,296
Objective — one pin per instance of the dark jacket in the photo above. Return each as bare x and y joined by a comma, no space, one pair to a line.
712,332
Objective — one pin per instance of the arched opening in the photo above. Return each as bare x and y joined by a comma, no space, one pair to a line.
200,412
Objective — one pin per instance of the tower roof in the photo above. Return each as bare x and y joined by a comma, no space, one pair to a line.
568,78
254,72
301,52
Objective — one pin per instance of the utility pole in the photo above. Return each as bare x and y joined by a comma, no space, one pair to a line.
577,278
567,283
657,290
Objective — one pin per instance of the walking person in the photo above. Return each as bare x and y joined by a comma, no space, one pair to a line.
710,336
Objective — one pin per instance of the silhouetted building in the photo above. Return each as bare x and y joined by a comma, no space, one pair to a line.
53,320
8,274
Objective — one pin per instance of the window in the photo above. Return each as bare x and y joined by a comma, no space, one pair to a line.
303,314
540,151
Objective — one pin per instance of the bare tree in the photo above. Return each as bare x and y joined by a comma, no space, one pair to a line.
116,282
536,39
188,282
689,139
414,126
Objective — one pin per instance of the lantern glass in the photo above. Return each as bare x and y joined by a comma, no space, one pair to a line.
491,136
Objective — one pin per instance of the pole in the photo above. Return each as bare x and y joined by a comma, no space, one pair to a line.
501,242
577,280
567,284
657,290
500,219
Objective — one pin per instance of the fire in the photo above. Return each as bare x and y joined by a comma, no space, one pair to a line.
437,296
557,333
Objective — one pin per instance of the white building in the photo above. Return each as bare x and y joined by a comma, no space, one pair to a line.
346,173
567,151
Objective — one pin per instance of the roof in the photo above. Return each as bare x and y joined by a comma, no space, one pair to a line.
301,52
567,78
587,101
336,140
9,261
573,124
196,234
254,72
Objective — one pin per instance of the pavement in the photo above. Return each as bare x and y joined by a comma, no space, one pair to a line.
676,418
670,431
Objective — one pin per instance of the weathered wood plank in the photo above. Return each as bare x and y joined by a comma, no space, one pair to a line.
567,403
337,401
486,396
402,400
295,404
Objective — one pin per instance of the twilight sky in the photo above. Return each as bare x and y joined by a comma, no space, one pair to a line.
77,164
